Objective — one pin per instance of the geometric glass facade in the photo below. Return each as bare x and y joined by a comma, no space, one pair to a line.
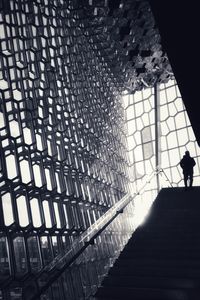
140,118
177,135
174,133
64,154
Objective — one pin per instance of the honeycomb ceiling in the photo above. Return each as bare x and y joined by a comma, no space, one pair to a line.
125,34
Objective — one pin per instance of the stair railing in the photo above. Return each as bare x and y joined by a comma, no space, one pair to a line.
163,173
40,282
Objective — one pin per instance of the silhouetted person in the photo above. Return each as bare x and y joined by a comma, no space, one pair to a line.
187,163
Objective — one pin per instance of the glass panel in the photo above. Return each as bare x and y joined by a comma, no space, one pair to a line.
20,255
175,130
66,216
15,293
58,183
35,212
27,136
22,211
146,135
148,150
47,214
57,215
4,260
48,179
14,128
25,171
55,245
39,142
34,254
171,93
46,250
37,175
7,209
11,166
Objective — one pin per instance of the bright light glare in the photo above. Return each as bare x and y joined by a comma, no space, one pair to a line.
142,208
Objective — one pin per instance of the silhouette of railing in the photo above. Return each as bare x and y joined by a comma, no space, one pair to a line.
40,282
162,173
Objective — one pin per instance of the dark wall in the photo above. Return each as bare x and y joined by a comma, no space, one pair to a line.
179,24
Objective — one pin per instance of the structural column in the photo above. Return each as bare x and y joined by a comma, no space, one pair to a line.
157,132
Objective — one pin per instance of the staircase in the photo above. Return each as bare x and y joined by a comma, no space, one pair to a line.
162,259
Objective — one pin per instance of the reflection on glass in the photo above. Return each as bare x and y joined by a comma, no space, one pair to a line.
55,245
20,255
15,293
46,250
34,253
4,260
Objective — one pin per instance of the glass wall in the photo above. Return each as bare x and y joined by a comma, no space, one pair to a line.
63,152
140,118
175,134
63,144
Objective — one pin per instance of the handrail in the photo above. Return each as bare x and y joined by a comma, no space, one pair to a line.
167,179
64,259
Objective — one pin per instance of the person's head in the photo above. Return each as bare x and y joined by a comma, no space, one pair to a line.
187,153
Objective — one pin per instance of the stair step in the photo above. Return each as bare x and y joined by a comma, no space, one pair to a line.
155,271
168,228
147,294
159,248
165,243
161,255
132,262
161,261
162,246
151,282
165,236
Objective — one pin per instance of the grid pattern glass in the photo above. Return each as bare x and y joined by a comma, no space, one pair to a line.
63,153
175,133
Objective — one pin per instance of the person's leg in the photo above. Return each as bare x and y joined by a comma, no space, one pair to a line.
185,179
191,179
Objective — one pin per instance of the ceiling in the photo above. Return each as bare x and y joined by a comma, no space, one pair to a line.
124,33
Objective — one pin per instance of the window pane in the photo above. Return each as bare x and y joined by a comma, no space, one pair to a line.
22,211
47,214
7,209
20,256
35,212
34,254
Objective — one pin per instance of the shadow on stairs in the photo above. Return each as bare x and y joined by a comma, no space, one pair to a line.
161,261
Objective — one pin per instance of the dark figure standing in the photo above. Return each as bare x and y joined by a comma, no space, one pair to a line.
187,163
